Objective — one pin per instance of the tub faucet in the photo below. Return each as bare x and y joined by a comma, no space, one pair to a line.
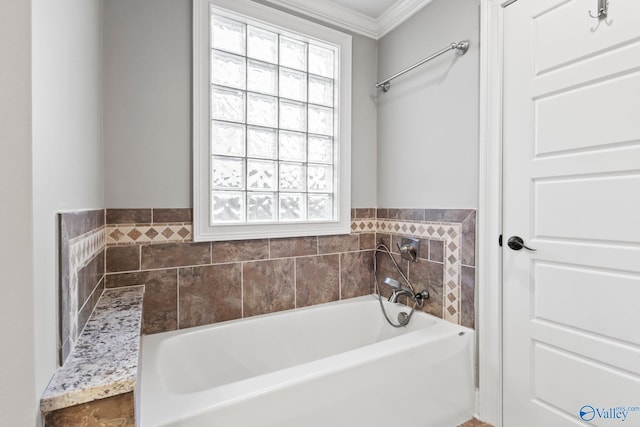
397,294
398,291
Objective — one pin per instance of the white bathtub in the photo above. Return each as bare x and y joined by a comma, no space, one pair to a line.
336,364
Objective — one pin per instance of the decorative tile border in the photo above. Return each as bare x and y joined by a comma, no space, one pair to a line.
366,225
449,233
82,249
155,233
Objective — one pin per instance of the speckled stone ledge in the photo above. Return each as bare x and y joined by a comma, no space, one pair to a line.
104,362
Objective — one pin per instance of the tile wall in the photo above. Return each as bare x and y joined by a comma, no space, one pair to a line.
81,272
190,284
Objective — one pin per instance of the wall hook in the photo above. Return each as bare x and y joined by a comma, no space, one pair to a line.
603,10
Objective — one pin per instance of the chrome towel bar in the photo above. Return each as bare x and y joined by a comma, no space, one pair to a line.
460,48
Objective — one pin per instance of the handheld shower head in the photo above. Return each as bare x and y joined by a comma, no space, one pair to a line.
393,283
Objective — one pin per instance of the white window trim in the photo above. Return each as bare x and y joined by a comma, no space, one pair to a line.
202,230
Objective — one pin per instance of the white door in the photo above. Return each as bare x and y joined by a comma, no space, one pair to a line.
571,187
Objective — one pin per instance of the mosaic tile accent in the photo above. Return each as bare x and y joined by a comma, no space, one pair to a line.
367,225
82,250
155,233
450,235
81,272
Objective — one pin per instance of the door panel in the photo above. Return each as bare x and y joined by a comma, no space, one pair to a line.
568,287
591,346
580,377
561,124
619,158
582,40
571,190
600,208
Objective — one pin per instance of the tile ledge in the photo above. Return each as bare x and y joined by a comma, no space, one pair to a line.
104,362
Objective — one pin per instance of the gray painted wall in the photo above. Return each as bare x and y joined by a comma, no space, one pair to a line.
147,106
363,122
147,103
428,121
67,145
17,311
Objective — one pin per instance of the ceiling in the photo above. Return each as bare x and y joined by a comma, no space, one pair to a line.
371,18
373,8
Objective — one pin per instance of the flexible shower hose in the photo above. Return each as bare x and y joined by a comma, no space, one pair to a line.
381,247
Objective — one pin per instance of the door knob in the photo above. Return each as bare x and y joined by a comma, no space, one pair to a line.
516,243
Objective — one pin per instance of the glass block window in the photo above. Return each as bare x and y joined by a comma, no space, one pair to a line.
273,132
272,124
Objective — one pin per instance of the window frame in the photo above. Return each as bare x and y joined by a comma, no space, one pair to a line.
285,22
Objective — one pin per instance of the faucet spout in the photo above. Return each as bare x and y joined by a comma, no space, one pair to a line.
399,290
398,293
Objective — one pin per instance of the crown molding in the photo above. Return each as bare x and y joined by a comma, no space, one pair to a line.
353,21
397,14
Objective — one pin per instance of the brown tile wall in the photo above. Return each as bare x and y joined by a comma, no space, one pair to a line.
80,286
191,284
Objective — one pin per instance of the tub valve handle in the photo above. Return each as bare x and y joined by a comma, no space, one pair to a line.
421,297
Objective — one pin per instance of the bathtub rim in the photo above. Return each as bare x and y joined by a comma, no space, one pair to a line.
197,402
355,300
